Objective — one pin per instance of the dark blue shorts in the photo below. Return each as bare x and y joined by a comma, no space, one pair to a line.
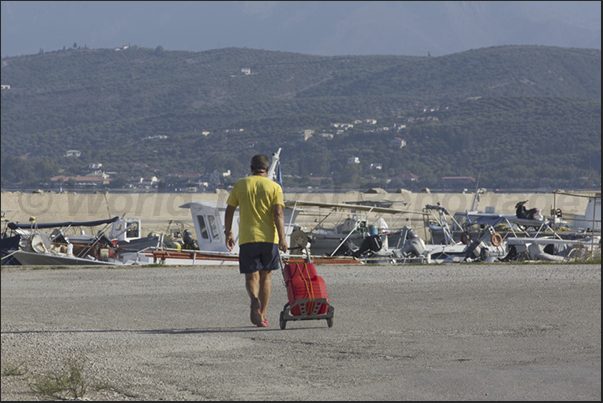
255,256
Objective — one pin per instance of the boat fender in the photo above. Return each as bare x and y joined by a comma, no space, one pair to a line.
466,238
496,239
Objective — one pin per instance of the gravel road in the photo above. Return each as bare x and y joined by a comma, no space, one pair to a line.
424,332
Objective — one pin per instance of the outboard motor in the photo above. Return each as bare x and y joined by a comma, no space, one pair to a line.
371,243
512,255
520,209
484,254
347,249
189,241
474,250
522,212
410,234
414,246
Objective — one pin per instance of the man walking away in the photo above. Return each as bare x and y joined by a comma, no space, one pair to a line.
261,233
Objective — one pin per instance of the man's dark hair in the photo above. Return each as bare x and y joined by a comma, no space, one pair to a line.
260,163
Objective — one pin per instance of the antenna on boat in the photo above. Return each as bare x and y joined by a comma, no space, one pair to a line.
476,195
107,204
274,167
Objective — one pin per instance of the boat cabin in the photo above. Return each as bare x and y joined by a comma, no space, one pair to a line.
591,219
126,229
208,219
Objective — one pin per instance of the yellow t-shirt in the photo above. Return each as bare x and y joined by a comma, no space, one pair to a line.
255,196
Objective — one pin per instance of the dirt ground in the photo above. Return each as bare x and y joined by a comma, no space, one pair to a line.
414,332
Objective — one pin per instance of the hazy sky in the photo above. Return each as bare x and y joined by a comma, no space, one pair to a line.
310,27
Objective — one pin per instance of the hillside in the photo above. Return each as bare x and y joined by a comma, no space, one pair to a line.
515,115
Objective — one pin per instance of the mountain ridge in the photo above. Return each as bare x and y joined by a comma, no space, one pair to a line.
79,97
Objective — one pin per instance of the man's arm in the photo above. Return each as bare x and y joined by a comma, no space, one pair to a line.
228,217
279,221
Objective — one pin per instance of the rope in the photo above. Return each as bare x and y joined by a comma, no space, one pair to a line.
311,293
309,290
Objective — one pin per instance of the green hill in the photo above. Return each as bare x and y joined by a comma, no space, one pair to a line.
518,116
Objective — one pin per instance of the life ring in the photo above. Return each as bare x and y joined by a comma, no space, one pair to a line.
466,238
496,239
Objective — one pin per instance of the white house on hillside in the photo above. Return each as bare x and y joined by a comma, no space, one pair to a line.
73,153
398,142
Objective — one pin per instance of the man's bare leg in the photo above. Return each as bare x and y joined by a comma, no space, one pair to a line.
265,290
259,285
252,285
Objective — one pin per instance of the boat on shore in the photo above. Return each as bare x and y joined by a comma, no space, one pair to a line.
208,220
466,236
35,244
354,223
524,235
121,243
364,236
210,243
58,258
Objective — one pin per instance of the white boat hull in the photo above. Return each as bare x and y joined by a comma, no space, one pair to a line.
43,259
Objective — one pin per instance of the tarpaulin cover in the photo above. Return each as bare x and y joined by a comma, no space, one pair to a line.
13,225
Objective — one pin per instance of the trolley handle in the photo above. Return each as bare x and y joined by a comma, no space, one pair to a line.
308,257
280,261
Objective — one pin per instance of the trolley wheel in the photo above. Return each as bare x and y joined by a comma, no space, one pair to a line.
330,322
281,321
